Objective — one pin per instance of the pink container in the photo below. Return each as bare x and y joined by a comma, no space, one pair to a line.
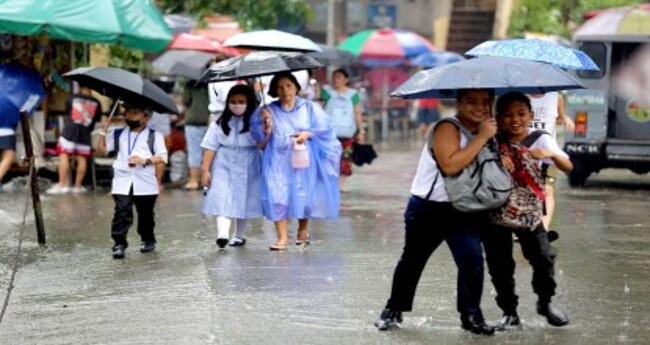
300,156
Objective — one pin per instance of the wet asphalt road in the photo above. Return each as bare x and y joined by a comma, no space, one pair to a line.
187,292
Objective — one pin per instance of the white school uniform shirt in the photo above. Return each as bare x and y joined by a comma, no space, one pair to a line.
143,179
548,143
428,173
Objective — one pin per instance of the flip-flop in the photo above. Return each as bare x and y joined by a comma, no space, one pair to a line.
278,247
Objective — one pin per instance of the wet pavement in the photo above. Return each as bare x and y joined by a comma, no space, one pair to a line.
187,292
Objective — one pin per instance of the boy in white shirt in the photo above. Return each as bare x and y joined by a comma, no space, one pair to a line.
139,149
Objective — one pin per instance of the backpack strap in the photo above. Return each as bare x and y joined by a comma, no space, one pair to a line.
530,140
116,142
532,137
151,141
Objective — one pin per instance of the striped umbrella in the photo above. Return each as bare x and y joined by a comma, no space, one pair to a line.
386,47
626,21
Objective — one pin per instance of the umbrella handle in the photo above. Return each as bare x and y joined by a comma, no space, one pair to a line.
110,116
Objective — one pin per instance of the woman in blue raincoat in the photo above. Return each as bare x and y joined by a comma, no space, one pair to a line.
304,193
232,168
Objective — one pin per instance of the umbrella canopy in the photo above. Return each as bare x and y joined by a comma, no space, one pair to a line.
386,47
626,21
499,73
435,59
272,40
21,88
257,64
132,23
187,63
333,56
199,42
117,83
536,50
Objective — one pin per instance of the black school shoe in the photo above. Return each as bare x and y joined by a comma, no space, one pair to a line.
119,251
222,242
508,321
554,316
476,324
389,319
147,247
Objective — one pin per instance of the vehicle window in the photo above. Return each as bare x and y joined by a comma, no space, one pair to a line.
597,52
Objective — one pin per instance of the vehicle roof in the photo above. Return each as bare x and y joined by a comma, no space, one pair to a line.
612,38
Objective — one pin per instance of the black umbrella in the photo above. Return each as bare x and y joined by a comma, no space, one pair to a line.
257,64
126,86
187,63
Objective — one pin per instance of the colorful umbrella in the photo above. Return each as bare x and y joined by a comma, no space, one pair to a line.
202,43
502,74
135,24
536,50
386,47
20,88
626,21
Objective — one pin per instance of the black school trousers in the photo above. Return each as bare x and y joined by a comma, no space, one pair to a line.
123,217
427,225
498,245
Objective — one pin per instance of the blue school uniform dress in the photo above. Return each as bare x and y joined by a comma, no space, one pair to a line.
236,173
312,192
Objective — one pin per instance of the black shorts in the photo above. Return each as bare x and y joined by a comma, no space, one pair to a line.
8,142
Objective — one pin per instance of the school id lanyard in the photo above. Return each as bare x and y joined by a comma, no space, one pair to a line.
130,146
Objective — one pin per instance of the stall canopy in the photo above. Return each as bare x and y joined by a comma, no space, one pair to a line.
132,23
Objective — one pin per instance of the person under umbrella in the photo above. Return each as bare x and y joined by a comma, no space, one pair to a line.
300,165
137,150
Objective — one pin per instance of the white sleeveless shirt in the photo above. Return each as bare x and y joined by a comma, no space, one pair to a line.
545,109
427,173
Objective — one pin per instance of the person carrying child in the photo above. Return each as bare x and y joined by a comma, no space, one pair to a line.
137,150
523,153
232,168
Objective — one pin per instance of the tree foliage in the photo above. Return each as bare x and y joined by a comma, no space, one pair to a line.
556,17
251,14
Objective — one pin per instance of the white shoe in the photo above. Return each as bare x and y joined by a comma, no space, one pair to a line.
76,190
237,242
57,189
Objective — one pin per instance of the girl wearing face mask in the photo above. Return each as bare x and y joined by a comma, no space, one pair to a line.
232,168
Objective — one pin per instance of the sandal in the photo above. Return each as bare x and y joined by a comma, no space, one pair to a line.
304,242
278,247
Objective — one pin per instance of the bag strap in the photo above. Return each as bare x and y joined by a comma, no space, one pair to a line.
151,140
532,137
528,178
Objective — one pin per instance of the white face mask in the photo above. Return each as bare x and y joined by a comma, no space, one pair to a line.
237,109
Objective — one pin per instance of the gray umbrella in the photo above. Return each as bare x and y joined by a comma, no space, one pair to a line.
499,73
333,56
259,63
187,63
126,86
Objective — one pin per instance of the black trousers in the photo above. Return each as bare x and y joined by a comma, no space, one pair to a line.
428,224
498,245
123,217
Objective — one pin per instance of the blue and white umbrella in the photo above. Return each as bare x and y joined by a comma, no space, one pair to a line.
435,59
536,50
502,74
